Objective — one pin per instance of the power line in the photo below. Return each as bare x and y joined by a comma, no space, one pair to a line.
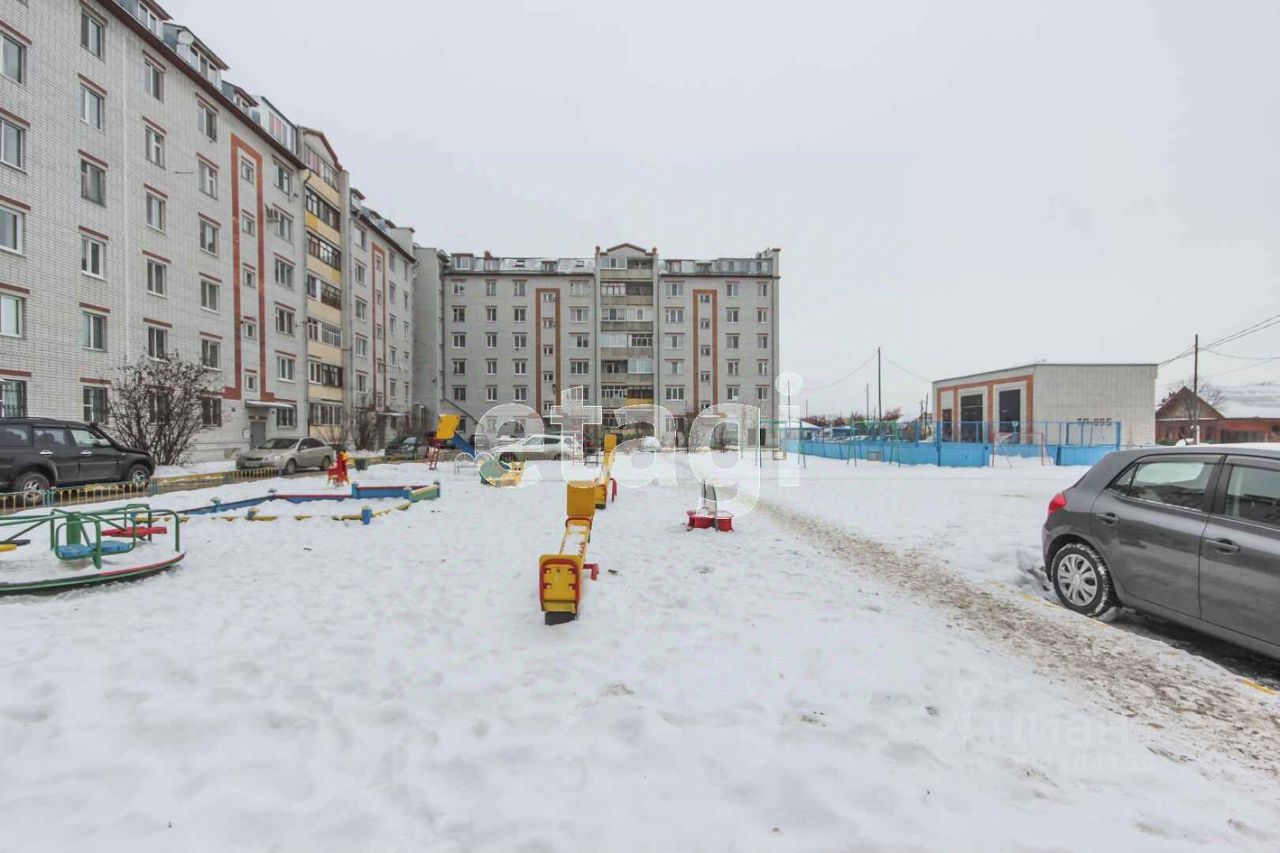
1251,329
908,372
848,375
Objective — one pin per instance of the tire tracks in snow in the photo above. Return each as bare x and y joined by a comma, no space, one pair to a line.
1156,687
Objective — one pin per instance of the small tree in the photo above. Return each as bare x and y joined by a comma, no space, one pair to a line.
157,406
366,428
1183,404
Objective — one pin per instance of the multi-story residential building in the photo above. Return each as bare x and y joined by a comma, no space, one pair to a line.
382,329
324,187
144,211
628,327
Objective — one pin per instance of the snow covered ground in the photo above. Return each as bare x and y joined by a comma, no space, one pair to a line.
314,685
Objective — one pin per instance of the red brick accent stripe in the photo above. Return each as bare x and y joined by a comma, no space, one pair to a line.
14,288
93,307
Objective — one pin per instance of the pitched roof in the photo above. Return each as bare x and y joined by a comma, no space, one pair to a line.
1261,400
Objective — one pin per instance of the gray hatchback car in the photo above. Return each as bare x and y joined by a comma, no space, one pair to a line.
1188,533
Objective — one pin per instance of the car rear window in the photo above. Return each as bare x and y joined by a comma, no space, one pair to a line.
15,435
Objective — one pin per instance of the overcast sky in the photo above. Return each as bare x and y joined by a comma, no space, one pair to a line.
970,185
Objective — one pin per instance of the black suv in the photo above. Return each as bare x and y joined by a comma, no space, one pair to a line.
36,453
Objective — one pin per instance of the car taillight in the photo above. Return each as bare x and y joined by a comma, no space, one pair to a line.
1059,502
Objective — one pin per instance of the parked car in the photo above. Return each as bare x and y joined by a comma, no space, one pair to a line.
650,444
542,447
287,455
36,453
1188,533
406,447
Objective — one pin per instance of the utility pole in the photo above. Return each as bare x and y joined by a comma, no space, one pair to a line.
866,411
1195,394
879,391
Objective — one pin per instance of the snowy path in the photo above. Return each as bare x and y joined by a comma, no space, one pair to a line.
310,686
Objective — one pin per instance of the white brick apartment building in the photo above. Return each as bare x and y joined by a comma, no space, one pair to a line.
143,211
628,326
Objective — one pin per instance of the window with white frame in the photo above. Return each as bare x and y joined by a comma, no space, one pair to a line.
210,353
92,106
208,237
459,288
283,177
248,276
284,273
459,366
362,346
459,340
250,327
284,225
732,393
13,227
674,315
287,417
731,341
92,33
362,309
521,394
490,340
731,288
579,367
94,399
675,393
13,58
579,315
208,179
581,341
210,294
207,121
459,314
248,171
248,223
13,398
762,341
286,366
13,144
284,320
520,340
731,315
579,288
93,182
155,146
459,392
156,210
519,314
93,256
520,367
732,366
518,287
491,393
12,315
153,79
762,392
762,289
490,367
157,343
157,277
250,382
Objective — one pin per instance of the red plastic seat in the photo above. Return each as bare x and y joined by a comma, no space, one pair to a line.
131,531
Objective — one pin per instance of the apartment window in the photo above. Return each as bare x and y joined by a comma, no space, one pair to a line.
521,393
491,314
208,237
459,366
675,368
287,418
248,171
675,315
158,343
13,58
731,288
581,341
762,367
362,239
675,393
362,345
93,182
362,309
733,368
520,367
731,341
248,276
92,34
362,382
704,323
155,211
153,79
321,209
732,393
250,382
490,340
323,251
490,367
579,315
284,224
210,412
283,177
674,341
762,315
762,392
763,289
360,272
762,341
12,229
391,322
207,121
93,256
520,340
731,315
675,288
459,314
491,393
209,295
13,144
704,375
704,298
210,353
208,179
331,334
284,273
92,107
94,399
705,350
579,288
13,398
613,290
248,224
284,321
11,315
285,367
157,278
519,314
579,367
459,340
155,146
459,392
548,350
518,288
250,327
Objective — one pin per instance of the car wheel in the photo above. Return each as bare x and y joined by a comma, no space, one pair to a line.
291,467
325,464
31,484
138,476
1082,580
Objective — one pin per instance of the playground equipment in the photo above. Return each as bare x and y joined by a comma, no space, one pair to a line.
80,536
561,574
338,474
494,472
708,515
447,435
605,481
408,495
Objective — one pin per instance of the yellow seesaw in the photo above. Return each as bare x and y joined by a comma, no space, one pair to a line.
561,574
